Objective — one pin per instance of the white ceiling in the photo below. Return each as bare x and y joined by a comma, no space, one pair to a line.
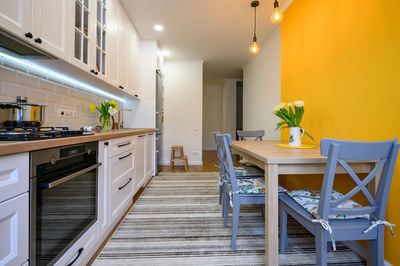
217,31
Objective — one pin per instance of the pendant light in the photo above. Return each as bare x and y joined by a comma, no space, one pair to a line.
277,15
254,48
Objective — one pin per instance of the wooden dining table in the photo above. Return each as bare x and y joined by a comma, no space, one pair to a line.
284,161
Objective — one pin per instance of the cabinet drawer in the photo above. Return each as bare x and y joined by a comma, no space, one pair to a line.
121,164
121,145
14,175
81,252
14,230
121,196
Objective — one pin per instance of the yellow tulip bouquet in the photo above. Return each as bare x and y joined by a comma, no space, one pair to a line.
106,110
291,114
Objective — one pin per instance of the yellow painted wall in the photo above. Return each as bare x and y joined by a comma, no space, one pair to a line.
342,57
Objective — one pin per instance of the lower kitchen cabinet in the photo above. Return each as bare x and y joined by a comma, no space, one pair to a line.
140,160
150,155
121,176
81,252
14,230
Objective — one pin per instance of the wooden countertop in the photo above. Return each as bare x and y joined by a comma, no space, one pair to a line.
267,152
12,147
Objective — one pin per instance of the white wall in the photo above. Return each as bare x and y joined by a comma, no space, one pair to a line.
212,113
262,88
229,107
183,95
143,112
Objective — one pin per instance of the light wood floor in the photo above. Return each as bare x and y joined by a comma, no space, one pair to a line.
210,164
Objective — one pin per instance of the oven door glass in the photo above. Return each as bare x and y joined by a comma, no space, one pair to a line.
65,208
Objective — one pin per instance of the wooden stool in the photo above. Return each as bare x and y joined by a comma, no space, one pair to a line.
180,158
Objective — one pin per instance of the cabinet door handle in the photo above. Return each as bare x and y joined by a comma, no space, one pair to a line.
79,253
38,40
106,143
92,71
136,95
28,35
121,87
96,73
141,136
130,179
123,157
123,144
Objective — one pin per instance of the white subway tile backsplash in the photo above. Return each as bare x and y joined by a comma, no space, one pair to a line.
54,96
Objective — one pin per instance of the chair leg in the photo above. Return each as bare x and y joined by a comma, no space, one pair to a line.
321,245
377,249
263,211
220,194
235,222
225,208
283,229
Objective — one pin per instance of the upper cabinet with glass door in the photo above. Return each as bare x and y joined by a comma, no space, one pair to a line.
83,34
101,37
90,36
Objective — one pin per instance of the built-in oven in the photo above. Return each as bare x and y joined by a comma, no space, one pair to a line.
63,199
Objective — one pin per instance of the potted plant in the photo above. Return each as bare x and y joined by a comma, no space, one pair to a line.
106,110
291,115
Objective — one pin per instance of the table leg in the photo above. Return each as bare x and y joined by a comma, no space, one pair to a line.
271,215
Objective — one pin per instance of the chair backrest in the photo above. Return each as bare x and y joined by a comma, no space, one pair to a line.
225,141
257,134
215,133
384,153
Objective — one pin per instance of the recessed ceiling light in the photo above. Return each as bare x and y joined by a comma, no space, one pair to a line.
158,27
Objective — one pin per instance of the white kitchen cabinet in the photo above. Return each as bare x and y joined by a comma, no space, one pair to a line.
103,191
14,175
82,250
133,68
14,230
123,46
16,16
112,39
140,161
82,34
121,176
150,155
51,26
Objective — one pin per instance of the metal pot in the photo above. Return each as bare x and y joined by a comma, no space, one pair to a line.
21,114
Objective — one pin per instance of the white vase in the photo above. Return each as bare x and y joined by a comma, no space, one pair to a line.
295,136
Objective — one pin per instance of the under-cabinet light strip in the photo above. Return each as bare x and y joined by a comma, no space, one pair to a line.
60,77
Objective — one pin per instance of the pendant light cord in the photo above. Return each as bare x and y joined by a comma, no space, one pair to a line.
255,21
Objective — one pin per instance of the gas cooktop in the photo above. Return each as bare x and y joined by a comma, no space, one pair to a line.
33,133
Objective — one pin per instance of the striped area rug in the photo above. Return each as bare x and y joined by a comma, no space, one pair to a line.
177,221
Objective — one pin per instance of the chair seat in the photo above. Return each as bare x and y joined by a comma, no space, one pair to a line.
248,171
254,186
309,200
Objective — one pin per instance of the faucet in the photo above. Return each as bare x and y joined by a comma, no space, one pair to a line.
121,123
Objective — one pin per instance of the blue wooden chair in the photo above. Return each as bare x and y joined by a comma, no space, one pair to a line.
336,216
255,134
241,172
236,191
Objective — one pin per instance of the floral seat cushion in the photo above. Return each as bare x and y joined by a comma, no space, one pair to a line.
253,186
309,200
248,171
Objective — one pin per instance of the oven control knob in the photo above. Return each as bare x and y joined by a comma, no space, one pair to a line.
53,160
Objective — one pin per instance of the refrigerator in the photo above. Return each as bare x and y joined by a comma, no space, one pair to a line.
159,116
